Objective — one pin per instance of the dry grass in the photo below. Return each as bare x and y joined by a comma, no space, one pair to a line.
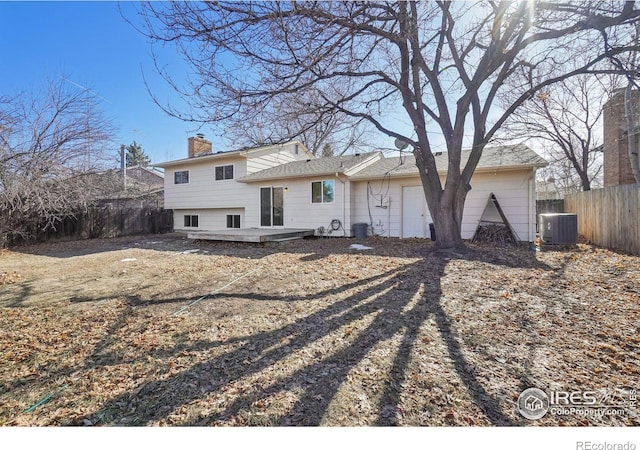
101,332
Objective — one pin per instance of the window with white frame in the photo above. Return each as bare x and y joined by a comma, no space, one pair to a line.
191,221
224,172
322,191
181,177
233,220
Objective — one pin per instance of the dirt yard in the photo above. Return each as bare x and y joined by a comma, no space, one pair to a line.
159,330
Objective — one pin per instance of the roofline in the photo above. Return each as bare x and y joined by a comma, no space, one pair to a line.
219,155
198,159
391,174
372,158
359,166
290,177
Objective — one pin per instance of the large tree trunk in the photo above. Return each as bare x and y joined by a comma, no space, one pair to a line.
584,180
446,212
445,205
448,230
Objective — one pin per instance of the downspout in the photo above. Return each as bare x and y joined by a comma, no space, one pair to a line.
388,216
344,204
532,202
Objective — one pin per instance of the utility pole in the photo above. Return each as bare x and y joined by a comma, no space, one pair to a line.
123,166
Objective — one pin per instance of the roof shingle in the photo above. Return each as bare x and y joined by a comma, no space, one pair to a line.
492,158
311,167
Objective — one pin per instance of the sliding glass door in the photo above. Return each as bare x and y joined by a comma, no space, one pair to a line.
271,207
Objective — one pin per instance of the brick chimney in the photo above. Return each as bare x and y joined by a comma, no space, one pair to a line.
199,146
617,167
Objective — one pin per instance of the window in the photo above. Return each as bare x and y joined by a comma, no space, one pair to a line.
224,172
191,221
233,220
181,177
322,191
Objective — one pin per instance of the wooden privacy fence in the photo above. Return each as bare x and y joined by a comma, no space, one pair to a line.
108,223
609,217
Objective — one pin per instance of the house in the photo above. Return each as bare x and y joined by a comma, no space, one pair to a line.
285,186
143,187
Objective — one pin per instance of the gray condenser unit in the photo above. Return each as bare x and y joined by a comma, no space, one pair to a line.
558,228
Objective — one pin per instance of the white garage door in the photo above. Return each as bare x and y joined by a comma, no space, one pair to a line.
415,215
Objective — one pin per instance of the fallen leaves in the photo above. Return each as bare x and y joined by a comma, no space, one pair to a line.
322,334
9,277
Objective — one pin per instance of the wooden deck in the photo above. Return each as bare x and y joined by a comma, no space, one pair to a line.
251,234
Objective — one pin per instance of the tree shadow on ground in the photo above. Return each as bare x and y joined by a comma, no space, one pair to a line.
395,304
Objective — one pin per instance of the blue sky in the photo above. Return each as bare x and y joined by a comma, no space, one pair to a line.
93,46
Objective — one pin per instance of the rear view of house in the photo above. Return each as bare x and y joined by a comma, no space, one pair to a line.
285,186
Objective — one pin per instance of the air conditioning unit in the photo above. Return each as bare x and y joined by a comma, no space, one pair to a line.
558,228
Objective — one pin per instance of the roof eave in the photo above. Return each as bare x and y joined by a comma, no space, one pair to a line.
198,159
444,172
289,177
374,157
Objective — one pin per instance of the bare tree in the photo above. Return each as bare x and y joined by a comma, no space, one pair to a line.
48,141
442,64
298,118
567,118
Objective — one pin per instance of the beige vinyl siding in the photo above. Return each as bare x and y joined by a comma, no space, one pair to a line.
299,211
267,161
513,194
385,221
208,219
512,189
268,158
203,191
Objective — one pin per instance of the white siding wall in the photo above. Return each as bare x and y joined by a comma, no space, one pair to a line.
299,212
265,159
512,189
208,219
203,191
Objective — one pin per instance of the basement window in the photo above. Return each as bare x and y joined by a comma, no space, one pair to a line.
322,191
233,220
224,172
181,177
191,221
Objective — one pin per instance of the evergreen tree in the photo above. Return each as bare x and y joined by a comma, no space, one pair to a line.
327,150
135,156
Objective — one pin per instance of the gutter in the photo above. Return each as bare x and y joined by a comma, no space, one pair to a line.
532,205
444,172
249,179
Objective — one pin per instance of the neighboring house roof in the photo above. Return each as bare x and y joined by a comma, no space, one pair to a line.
493,158
345,164
145,175
141,181
226,154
